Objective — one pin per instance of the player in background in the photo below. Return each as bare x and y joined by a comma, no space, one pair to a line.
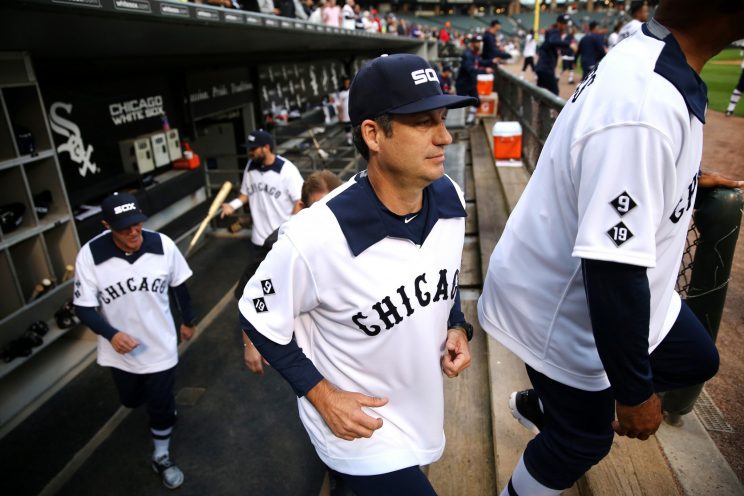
342,106
316,186
529,51
638,15
374,301
738,90
122,279
581,284
614,37
591,50
272,187
568,55
547,54
471,64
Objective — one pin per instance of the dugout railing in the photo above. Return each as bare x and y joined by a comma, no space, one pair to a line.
705,268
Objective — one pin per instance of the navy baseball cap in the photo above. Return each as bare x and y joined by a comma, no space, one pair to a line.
563,19
398,84
474,38
122,210
259,137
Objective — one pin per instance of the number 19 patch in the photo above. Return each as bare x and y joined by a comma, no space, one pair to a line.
619,233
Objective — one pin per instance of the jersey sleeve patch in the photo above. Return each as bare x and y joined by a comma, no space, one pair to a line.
623,203
619,234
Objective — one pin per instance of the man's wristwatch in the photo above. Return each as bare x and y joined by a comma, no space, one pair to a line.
465,326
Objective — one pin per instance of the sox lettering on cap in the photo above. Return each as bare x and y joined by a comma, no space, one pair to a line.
398,84
258,138
122,210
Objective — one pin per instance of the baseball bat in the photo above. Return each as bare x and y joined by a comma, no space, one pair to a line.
214,209
69,270
323,154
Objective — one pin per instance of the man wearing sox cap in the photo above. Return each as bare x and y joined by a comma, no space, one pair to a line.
363,320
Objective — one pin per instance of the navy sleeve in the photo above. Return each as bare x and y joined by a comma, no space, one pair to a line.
456,316
95,321
183,298
619,301
287,359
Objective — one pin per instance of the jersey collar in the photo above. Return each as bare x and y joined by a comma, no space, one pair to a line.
360,214
275,167
672,66
104,248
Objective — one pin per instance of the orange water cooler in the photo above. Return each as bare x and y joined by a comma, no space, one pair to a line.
485,84
507,140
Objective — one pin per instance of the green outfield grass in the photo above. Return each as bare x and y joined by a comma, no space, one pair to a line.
721,80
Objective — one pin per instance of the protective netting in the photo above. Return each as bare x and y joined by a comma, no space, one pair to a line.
685,269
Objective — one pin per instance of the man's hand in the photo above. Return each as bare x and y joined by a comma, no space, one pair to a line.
639,421
713,179
123,342
226,210
186,332
456,353
342,410
252,357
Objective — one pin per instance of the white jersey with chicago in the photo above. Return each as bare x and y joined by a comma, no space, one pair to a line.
272,192
617,183
370,311
131,292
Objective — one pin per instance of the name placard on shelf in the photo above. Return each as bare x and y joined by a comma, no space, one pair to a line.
133,5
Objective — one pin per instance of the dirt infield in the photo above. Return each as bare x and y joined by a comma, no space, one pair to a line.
723,152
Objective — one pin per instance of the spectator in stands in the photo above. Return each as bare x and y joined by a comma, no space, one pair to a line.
348,15
444,35
374,18
416,32
317,14
529,51
614,37
358,19
314,188
491,49
331,14
266,6
471,64
548,54
639,15
308,6
392,23
285,8
591,50
402,28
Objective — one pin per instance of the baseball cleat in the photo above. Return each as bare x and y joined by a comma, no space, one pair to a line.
525,407
170,474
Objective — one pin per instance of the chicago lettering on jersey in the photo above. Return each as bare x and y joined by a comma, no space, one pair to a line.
264,188
393,309
120,288
684,204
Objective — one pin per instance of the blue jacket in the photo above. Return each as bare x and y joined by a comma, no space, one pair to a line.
549,51
467,77
490,51
591,50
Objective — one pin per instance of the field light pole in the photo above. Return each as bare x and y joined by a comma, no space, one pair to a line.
537,18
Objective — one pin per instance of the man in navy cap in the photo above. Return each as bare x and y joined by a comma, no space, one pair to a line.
271,186
122,278
357,304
